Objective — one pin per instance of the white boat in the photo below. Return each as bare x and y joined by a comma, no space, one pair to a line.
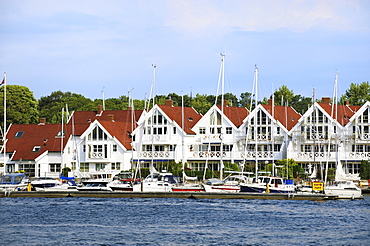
230,184
125,182
98,181
14,182
268,184
94,186
43,183
345,189
160,182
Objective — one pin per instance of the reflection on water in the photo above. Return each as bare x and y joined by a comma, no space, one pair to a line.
171,221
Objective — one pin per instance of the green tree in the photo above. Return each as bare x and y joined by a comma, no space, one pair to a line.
357,94
283,95
51,106
365,170
201,104
21,105
245,100
300,103
288,168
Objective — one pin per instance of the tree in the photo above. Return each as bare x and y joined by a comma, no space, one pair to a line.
245,100
201,104
365,169
300,103
50,107
357,94
283,95
21,105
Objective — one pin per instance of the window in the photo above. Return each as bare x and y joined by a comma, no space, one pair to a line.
54,167
277,130
36,149
99,166
84,167
229,130
61,133
18,134
202,130
114,147
116,166
97,134
174,130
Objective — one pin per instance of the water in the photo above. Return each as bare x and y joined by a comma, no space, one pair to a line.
172,221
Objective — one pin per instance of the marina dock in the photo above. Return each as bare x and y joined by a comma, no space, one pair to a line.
186,195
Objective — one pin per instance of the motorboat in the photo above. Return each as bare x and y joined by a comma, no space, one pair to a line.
345,189
160,182
42,183
230,184
14,182
94,186
125,182
98,181
268,184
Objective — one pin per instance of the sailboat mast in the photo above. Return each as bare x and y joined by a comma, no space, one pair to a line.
222,113
255,120
183,136
5,131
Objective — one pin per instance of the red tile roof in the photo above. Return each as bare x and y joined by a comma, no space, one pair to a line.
43,135
235,114
191,116
287,116
118,115
341,113
120,130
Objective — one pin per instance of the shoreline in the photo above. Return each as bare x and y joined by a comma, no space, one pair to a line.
188,195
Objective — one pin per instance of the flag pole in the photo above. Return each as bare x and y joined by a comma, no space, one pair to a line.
4,139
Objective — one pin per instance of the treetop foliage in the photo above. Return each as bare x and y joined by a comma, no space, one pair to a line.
23,108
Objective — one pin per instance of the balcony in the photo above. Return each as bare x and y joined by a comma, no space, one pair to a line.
156,155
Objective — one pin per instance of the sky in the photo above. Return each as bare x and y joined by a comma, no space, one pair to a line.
94,46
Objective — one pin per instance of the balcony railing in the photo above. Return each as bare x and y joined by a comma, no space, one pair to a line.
155,154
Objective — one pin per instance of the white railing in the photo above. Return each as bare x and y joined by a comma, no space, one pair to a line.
357,155
96,155
311,156
260,155
155,154
209,154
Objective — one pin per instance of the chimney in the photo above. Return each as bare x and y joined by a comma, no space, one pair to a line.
326,100
100,109
226,103
169,103
110,117
269,102
346,103
129,108
42,121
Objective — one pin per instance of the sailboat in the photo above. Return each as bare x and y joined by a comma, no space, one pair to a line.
343,187
264,184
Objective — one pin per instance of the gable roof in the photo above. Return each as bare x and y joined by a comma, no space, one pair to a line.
235,114
287,116
191,116
341,113
118,115
120,130
43,135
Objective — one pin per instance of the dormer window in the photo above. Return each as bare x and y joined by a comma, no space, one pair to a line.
36,149
61,134
19,134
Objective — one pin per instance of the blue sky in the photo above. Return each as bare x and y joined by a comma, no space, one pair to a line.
89,46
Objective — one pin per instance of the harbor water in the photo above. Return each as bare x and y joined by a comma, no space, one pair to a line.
174,221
